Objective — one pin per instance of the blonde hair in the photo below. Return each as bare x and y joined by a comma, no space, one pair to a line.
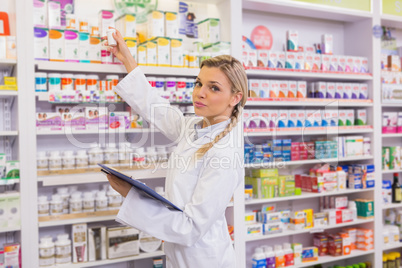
235,73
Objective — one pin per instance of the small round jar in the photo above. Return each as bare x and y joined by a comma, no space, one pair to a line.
88,202
68,160
114,199
56,205
75,203
63,249
101,201
81,159
43,206
111,154
65,196
42,161
40,82
46,252
95,155
54,160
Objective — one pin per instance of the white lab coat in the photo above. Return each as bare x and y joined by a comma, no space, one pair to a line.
198,236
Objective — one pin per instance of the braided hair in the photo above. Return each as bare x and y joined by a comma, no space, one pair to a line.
235,73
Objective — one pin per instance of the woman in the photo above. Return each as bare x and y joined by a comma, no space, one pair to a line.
211,155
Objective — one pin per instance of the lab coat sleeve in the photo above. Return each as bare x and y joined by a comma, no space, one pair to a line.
143,98
212,194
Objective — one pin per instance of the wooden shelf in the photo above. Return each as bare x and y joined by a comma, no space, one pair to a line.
67,219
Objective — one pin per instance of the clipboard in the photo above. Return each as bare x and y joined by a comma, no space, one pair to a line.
142,188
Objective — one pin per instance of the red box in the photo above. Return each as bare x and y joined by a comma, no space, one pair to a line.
334,245
338,216
321,242
298,181
295,147
295,156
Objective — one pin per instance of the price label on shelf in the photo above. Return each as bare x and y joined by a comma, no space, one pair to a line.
361,5
392,7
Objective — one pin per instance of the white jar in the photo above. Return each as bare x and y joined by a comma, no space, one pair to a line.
56,205
54,160
75,203
40,82
125,153
42,162
88,202
81,159
72,189
43,206
80,83
111,154
67,82
46,251
114,199
54,82
161,154
63,249
92,84
95,155
139,156
151,156
65,196
101,201
68,160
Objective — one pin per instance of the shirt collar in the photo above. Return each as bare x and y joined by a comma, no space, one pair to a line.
209,131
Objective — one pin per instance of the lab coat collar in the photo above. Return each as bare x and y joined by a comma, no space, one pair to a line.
209,131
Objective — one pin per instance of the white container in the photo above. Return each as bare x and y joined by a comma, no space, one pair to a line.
385,235
161,154
75,203
67,82
54,82
43,206
92,83
151,155
46,251
139,156
111,154
63,249
258,258
88,202
68,160
81,159
56,205
40,82
160,85
65,196
54,160
101,201
125,154
114,199
149,243
110,40
42,162
80,84
95,155
279,255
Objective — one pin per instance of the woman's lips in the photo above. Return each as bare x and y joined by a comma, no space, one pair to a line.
199,104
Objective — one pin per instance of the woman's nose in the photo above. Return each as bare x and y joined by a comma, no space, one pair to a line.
201,93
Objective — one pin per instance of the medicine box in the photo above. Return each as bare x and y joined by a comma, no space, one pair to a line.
262,58
95,49
327,44
325,62
299,64
338,90
162,51
126,25
361,117
71,46
48,121
272,59
56,45
41,44
281,60
97,243
79,242
292,38
274,88
290,60
122,242
209,31
331,90
355,91
54,14
171,24
310,254
301,89
253,230
264,89
333,67
292,89
151,46
316,62
105,20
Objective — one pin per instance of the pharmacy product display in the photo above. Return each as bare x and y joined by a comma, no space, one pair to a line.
95,243
391,122
10,254
301,89
11,212
254,119
9,173
391,158
286,150
8,43
317,58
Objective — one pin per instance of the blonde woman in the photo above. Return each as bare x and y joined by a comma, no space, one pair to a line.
204,170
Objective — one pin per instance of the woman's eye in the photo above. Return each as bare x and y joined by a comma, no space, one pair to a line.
197,84
215,88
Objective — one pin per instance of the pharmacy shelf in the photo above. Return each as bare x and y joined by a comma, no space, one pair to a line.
393,205
306,162
308,75
7,62
8,133
307,102
392,104
391,171
306,9
83,178
8,93
306,131
86,132
112,69
392,246
391,21
305,195
111,261
10,229
78,220
326,259
392,135
311,230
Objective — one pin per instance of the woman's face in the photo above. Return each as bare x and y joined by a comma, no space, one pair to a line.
212,95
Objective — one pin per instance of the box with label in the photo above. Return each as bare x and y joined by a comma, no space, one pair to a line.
122,242
105,20
272,59
56,45
283,89
290,60
79,242
48,121
71,46
96,118
126,25
320,90
338,90
253,230
73,121
347,91
292,89
209,31
254,87
97,243
281,60
41,44
331,90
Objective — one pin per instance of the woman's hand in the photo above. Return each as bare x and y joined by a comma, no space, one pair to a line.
122,187
121,51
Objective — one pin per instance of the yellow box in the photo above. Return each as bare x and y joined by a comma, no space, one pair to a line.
126,24
10,81
151,53
162,51
309,218
176,52
132,46
142,54
155,24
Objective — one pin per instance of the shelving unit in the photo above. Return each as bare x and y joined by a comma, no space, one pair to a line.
305,75
327,259
8,93
7,62
307,131
8,133
310,103
393,205
392,246
68,131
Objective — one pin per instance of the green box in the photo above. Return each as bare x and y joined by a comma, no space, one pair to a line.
265,173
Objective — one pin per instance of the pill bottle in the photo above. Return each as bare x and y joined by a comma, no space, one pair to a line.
63,249
161,154
54,82
95,155
114,199
84,28
110,39
88,202
75,202
101,201
43,206
80,82
171,88
71,22
42,162
40,82
139,157
92,83
65,196
56,205
54,160
151,155
46,251
248,191
181,88
125,154
111,154
160,85
152,81
67,82
81,159
68,160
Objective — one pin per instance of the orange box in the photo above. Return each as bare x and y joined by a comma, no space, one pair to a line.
346,244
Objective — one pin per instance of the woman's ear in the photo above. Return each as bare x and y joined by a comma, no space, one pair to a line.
236,98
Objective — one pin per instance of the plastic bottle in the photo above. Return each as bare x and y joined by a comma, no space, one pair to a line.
54,160
81,159
151,156
139,157
65,196
289,258
391,261
259,260
42,162
384,261
352,206
75,203
88,203
46,251
111,154
114,199
397,259
101,201
125,154
95,155
63,249
161,154
43,206
68,160
56,205
270,257
279,257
